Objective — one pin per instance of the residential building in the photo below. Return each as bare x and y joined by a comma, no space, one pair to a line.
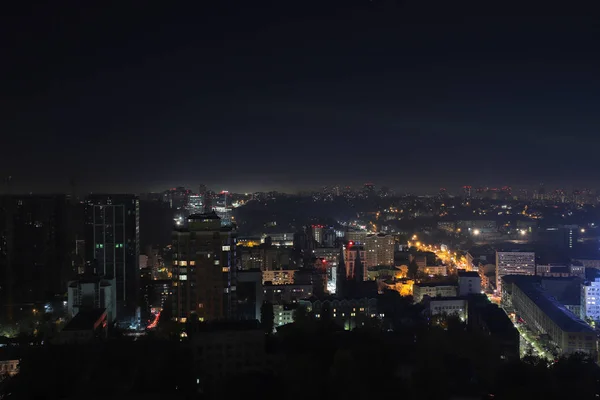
112,240
284,314
492,321
223,208
250,294
224,349
590,300
379,250
531,301
354,257
35,249
356,237
92,292
204,269
278,277
86,327
347,313
8,367
432,270
433,289
287,293
513,263
469,282
456,306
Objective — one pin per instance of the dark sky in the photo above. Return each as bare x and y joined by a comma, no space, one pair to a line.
255,95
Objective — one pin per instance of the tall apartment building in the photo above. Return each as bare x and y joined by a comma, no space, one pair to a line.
379,250
112,246
36,243
590,300
204,270
354,256
513,263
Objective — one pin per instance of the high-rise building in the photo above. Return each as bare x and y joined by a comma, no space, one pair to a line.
353,261
379,250
223,208
317,233
204,269
590,300
36,243
513,263
195,204
113,247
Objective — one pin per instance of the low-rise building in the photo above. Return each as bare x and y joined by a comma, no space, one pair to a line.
455,306
432,270
86,327
287,293
469,282
347,313
433,289
279,276
8,367
283,314
227,348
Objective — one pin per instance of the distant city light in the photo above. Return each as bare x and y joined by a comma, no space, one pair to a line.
476,232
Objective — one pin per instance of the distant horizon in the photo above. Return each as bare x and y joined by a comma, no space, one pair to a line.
453,190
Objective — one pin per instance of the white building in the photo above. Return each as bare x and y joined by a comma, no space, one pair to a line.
449,306
513,263
284,314
92,292
590,300
432,290
468,283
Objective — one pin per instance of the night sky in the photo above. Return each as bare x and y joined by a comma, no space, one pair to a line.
288,95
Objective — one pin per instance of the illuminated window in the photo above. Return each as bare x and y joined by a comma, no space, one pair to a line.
217,262
183,277
183,263
225,269
200,305
226,248
352,314
192,262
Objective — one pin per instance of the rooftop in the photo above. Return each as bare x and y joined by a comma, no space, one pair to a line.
85,320
536,289
217,326
497,321
434,284
468,274
204,216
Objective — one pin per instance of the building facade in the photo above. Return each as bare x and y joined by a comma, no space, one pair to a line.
204,270
468,283
432,290
379,250
544,314
35,248
112,240
513,263
590,300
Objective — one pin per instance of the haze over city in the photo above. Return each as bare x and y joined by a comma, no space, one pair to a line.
297,95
